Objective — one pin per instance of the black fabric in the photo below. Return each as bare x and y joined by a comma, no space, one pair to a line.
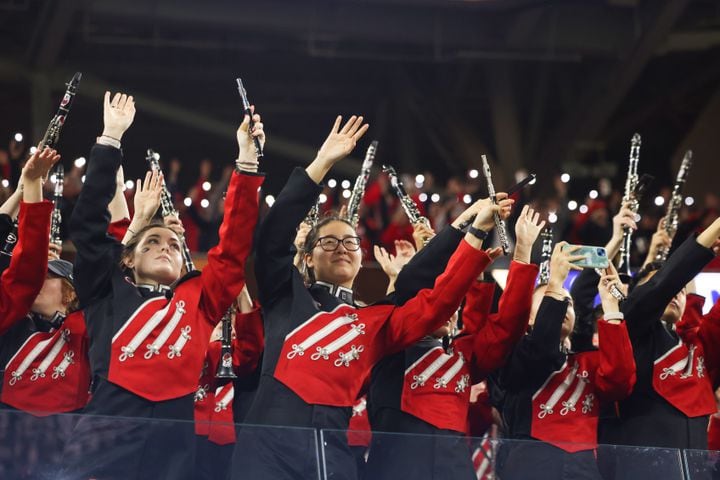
212,461
15,337
647,419
151,440
542,461
6,226
424,452
269,447
532,360
583,294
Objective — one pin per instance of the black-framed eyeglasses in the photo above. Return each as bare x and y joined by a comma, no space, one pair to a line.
330,243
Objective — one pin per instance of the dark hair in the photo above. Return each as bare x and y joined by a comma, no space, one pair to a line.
314,234
129,248
643,273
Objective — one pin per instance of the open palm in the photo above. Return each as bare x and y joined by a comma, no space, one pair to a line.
341,141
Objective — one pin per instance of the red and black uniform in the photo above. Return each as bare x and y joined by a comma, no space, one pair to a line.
319,351
554,396
22,281
49,372
147,345
215,415
425,390
673,397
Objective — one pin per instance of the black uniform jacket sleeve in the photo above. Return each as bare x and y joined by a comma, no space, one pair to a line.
98,253
646,302
275,249
538,353
422,270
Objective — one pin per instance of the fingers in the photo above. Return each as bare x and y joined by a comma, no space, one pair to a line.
115,101
348,125
359,134
106,100
501,196
336,126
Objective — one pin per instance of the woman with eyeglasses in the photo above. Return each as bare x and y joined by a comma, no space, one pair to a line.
319,345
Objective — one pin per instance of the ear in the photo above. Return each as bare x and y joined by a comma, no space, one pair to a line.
308,260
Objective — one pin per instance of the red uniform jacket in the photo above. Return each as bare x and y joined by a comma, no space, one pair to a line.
214,402
565,409
154,346
359,432
22,280
436,387
326,359
50,373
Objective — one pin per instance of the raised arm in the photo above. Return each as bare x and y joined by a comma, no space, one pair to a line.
97,252
616,374
224,275
275,249
431,261
646,302
431,308
22,281
495,340
249,340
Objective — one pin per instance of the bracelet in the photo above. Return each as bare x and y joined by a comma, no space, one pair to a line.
108,141
614,316
477,233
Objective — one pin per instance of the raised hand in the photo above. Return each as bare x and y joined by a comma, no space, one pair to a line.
247,155
625,218
341,141
174,224
39,164
485,219
147,196
560,266
527,229
404,251
301,236
118,115
659,241
421,233
494,253
609,280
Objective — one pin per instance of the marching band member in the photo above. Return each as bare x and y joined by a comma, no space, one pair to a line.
425,389
215,403
149,326
677,369
552,395
319,346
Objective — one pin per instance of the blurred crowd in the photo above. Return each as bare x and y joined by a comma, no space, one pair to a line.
583,220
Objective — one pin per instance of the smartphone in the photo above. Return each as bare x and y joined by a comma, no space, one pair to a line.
594,257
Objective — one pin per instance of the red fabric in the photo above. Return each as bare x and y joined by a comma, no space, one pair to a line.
396,232
482,460
565,409
480,417
714,432
436,388
23,279
359,432
709,337
119,229
326,374
689,325
221,429
478,303
249,341
63,384
196,306
680,377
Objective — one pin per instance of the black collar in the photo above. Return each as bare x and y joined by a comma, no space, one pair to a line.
344,294
44,324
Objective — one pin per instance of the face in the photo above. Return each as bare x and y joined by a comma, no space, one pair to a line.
157,258
675,309
50,298
448,328
339,267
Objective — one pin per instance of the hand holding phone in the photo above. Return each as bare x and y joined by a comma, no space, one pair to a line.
593,257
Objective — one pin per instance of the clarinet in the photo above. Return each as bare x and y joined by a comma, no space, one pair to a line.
547,246
360,184
50,139
673,209
166,206
225,366
629,198
52,134
407,203
499,222
56,219
246,108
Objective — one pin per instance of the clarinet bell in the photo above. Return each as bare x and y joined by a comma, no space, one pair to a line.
225,368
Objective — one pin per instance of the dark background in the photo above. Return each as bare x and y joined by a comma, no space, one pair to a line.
546,85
